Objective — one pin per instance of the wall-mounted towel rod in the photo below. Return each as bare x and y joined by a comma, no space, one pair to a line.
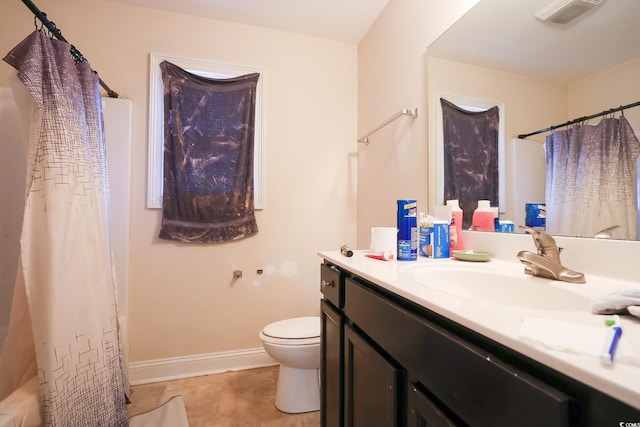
581,119
58,34
412,112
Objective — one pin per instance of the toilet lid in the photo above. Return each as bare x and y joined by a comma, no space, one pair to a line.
296,328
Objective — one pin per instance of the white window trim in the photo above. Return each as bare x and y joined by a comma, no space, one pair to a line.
156,121
476,105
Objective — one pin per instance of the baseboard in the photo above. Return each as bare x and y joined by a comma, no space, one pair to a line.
173,368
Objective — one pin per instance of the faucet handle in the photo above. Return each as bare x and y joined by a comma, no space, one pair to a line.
545,243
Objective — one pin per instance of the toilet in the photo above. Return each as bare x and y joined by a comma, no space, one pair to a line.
295,344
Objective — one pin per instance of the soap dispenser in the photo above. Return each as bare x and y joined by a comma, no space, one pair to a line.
483,217
457,243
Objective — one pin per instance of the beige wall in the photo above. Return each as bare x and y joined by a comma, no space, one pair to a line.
391,76
182,300
602,91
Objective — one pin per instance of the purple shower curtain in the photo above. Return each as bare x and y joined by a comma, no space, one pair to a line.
66,275
208,157
592,170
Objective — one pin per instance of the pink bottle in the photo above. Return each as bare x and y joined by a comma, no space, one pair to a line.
457,242
483,217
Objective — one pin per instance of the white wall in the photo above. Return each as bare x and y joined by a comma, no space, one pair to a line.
182,299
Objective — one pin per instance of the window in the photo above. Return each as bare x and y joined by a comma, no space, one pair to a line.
156,121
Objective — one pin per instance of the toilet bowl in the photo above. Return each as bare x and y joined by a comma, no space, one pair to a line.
295,344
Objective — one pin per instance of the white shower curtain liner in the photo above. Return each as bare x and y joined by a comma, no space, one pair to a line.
66,277
591,175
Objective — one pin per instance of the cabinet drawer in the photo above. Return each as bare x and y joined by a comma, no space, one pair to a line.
478,387
332,285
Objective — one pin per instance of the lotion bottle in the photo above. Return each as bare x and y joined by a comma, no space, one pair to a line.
457,241
483,217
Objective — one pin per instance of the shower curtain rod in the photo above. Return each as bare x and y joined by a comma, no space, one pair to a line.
56,32
413,112
581,119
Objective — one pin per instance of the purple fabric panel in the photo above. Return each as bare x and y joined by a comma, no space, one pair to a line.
470,157
208,157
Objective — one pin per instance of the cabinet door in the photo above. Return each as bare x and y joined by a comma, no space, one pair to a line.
424,413
371,385
331,373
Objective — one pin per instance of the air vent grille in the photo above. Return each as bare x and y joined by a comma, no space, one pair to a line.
563,11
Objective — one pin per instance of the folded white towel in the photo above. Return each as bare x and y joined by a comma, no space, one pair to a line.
575,338
622,302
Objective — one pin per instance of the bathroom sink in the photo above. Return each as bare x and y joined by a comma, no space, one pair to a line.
501,287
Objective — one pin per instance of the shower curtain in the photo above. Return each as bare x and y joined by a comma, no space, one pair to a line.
591,174
65,277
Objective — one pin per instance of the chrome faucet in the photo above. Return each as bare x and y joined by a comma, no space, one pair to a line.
546,263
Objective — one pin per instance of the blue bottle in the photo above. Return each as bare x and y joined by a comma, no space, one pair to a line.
407,230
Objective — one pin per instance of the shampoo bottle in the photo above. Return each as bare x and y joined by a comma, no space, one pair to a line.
457,242
483,217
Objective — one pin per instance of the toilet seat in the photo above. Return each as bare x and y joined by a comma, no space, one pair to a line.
296,331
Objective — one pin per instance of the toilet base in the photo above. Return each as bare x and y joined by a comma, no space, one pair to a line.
298,390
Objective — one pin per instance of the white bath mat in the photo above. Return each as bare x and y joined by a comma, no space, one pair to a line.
172,413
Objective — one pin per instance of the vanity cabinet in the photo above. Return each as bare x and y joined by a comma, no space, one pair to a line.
422,412
331,346
400,364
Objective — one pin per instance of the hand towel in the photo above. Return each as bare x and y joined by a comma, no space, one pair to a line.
621,302
575,338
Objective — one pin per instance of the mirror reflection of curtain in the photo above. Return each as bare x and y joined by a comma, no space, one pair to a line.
470,157
591,170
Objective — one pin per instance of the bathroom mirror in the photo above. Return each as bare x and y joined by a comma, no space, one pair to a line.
543,73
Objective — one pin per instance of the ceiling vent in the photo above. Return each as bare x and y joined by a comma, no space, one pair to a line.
563,11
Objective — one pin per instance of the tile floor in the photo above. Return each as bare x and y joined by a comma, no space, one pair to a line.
231,399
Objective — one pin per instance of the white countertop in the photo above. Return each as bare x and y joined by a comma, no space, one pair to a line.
501,323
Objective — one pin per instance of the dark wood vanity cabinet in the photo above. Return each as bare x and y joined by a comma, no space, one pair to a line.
389,362
422,412
331,346
371,385
331,372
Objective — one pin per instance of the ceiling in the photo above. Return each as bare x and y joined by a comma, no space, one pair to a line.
504,34
499,34
344,20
